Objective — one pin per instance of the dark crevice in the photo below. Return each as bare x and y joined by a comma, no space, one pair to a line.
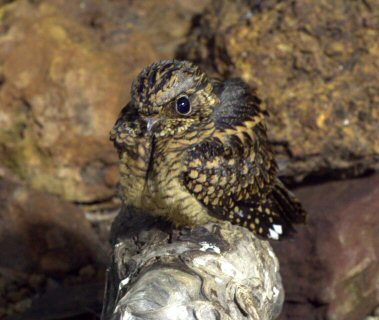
2,80
96,201
321,177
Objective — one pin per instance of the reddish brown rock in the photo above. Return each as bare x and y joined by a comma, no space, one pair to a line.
65,72
315,64
331,269
59,99
42,233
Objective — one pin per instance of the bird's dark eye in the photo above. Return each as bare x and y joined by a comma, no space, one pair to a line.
183,106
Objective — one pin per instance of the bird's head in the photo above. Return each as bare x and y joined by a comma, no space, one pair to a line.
173,98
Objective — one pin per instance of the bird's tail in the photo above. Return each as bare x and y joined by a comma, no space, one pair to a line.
274,216
287,204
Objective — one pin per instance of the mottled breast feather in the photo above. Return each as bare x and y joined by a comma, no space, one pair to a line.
233,173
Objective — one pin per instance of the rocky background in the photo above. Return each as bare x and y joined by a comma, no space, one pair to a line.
66,68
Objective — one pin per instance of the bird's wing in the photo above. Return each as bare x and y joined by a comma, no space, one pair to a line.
233,173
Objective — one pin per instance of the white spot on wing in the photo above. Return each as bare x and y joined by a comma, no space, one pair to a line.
273,234
278,228
240,214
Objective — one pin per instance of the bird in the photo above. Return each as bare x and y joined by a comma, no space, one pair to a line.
194,149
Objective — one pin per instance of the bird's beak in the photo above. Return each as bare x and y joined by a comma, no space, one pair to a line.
150,123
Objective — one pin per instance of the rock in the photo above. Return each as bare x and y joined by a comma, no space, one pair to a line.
41,233
59,98
216,271
330,270
75,302
65,73
315,64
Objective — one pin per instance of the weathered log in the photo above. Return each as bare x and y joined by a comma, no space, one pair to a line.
215,271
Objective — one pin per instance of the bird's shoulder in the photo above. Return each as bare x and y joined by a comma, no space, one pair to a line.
237,156
240,132
239,105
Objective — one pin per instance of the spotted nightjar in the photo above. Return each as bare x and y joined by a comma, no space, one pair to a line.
194,149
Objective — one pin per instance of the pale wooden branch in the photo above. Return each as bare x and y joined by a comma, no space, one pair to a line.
216,271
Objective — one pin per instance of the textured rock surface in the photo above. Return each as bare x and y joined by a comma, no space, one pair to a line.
331,269
210,272
65,72
66,302
58,99
44,234
315,64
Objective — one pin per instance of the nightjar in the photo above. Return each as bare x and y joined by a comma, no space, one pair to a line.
194,149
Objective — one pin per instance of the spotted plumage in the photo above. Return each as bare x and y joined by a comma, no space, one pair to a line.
194,149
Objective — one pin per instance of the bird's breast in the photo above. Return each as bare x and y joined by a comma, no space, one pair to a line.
134,169
143,168
168,195
151,180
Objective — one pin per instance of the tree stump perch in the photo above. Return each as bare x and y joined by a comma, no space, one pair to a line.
215,271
